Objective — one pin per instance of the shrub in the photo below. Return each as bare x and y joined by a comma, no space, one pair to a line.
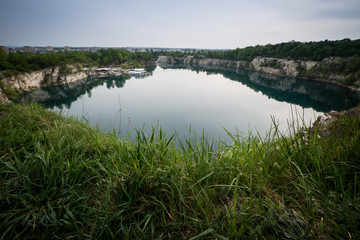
9,92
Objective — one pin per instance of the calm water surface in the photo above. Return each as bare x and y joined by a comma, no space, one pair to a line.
183,99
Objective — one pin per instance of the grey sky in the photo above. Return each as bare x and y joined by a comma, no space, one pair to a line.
173,23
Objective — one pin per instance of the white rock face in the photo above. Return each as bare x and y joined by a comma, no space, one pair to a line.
274,66
163,59
25,82
285,67
207,63
309,64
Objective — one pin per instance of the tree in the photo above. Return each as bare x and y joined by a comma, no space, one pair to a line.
3,55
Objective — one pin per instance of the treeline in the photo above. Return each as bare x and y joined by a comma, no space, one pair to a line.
27,62
293,50
348,49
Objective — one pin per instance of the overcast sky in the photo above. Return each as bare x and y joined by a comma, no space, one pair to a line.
175,23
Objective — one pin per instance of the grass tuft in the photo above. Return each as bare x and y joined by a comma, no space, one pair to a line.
61,178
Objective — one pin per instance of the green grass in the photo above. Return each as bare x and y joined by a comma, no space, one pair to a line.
9,92
62,179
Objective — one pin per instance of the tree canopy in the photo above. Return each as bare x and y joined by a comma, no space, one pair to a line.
295,50
26,62
316,51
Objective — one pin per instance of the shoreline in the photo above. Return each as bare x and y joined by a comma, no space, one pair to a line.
21,83
27,82
284,68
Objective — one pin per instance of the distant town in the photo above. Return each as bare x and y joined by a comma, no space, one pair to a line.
48,49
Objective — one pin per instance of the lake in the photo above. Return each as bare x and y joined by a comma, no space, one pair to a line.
183,100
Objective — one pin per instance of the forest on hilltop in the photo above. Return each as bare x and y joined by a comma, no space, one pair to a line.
316,51
26,62
13,63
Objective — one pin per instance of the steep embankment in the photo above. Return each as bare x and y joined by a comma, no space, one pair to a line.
25,82
325,70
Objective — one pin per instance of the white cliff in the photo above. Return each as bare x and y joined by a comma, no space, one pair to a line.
313,70
25,82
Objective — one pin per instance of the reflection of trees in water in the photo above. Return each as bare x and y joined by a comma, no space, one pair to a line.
320,96
64,95
150,69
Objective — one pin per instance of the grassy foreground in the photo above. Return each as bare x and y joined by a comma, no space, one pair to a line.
62,179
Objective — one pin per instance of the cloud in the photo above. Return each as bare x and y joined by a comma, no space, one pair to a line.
186,23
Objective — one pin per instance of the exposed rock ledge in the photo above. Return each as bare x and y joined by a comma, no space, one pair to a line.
25,82
314,70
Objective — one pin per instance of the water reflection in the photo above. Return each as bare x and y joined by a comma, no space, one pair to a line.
177,99
64,95
321,96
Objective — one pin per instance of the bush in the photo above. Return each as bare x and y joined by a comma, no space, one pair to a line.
9,92
274,63
79,66
349,79
353,64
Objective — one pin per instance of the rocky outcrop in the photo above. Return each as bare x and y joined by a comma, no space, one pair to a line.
59,95
204,63
25,82
324,70
283,67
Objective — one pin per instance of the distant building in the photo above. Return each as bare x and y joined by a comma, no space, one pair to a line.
49,49
5,49
67,48
12,50
137,71
129,49
27,49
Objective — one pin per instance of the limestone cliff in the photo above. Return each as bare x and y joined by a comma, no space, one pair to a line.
25,82
324,70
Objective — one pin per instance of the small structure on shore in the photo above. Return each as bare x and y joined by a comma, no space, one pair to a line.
108,71
28,49
115,71
138,72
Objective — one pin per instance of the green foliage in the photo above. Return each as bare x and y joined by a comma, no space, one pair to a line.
4,65
60,178
65,69
79,66
21,62
125,66
352,77
9,92
295,50
3,55
113,56
353,64
274,63
339,57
